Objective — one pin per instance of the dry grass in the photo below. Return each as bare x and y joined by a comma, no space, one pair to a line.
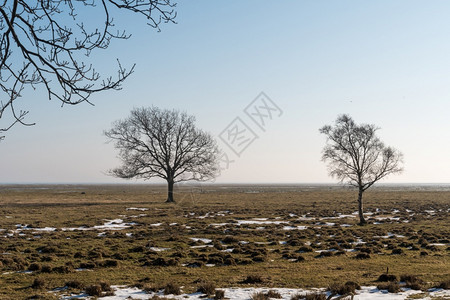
267,251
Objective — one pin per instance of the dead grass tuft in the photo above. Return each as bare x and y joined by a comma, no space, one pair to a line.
172,289
207,288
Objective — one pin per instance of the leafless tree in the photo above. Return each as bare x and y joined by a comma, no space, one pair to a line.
163,143
356,155
48,42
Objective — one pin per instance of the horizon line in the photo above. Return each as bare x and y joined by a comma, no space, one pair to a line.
215,183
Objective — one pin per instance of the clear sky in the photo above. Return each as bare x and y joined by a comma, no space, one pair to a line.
383,62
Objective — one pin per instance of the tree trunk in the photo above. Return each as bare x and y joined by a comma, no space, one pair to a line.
170,199
362,221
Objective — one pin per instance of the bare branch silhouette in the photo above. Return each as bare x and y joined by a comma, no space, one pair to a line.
47,43
356,155
165,144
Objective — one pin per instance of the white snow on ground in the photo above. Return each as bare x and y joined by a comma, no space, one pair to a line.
387,218
44,229
260,221
22,227
294,227
366,293
116,224
219,224
389,235
339,216
137,208
138,216
159,249
201,246
206,241
210,214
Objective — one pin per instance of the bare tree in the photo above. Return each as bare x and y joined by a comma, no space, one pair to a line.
165,144
356,155
47,43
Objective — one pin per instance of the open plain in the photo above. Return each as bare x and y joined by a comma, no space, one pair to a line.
61,241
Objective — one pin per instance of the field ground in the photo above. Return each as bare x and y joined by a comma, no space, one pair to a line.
228,236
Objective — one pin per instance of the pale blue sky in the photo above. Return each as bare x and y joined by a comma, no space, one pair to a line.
382,62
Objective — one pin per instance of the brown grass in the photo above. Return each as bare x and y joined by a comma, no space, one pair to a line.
121,259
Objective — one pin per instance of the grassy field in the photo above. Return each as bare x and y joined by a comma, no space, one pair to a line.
285,236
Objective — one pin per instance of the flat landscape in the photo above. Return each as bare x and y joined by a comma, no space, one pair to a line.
63,241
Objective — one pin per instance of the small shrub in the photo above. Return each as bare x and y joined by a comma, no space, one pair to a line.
445,284
215,260
353,284
253,279
196,264
218,245
432,248
16,263
62,269
315,297
366,250
362,256
87,265
273,294
259,258
325,254
110,263
386,278
397,251
38,283
412,282
147,287
219,295
230,240
105,286
74,284
259,296
171,288
305,249
300,258
46,258
119,256
47,249
46,269
95,254
391,287
161,261
342,289
137,249
229,261
244,261
207,288
34,267
94,290
294,242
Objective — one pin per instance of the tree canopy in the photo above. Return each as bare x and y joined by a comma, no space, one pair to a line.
357,156
162,143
